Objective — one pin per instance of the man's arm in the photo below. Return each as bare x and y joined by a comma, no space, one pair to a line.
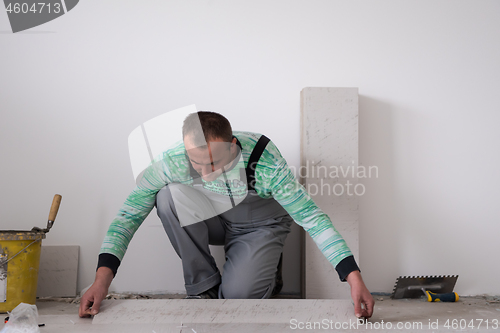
136,208
91,300
275,177
360,295
133,212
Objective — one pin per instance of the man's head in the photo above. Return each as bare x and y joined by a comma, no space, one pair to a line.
209,143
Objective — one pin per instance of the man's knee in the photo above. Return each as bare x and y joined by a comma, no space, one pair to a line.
166,197
189,205
163,196
164,202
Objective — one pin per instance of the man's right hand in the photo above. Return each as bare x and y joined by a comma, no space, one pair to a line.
91,300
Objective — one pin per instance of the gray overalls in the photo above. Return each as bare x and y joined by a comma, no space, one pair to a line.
253,234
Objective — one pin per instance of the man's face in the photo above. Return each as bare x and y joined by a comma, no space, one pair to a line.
209,160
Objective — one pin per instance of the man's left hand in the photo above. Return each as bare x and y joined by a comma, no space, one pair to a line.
360,295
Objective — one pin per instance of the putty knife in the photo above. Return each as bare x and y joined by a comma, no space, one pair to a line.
416,286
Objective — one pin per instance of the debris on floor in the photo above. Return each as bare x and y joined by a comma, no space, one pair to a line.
76,300
493,299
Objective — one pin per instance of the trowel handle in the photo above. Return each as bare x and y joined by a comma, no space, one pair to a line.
55,207
448,297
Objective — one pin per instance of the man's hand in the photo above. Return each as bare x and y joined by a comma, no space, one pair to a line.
91,300
360,295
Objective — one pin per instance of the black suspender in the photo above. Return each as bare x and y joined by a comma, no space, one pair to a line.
254,158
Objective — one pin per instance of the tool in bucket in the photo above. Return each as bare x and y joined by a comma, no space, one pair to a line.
52,214
413,286
19,262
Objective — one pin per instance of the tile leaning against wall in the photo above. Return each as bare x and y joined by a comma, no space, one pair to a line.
329,160
58,271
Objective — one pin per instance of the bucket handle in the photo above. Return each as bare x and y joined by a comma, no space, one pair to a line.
15,255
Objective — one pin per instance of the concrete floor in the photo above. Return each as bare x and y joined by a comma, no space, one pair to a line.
475,314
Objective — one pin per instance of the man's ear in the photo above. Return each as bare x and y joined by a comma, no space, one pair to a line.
233,146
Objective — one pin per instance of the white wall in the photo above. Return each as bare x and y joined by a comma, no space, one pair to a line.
428,74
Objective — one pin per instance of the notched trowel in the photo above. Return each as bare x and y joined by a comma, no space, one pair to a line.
435,288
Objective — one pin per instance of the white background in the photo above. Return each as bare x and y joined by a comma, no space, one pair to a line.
428,74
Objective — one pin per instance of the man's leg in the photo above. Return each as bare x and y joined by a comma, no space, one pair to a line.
252,259
191,241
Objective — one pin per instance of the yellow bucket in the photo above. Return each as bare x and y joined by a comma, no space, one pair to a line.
19,261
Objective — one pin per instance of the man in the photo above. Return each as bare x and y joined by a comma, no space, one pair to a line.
226,188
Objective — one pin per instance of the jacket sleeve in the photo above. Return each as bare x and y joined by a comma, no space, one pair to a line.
280,182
